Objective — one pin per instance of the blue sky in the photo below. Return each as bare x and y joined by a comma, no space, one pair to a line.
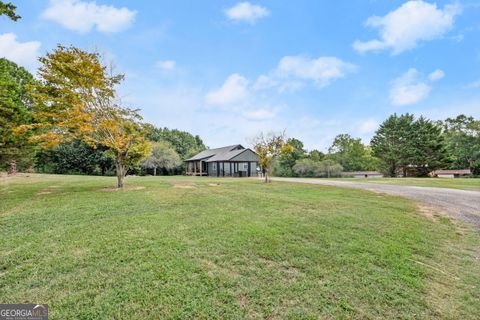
228,69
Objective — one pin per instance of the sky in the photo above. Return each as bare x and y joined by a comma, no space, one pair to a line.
226,70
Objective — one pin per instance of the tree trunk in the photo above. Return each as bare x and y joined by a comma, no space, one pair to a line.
12,167
120,166
154,171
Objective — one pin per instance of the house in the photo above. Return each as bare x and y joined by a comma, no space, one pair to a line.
452,173
363,174
234,161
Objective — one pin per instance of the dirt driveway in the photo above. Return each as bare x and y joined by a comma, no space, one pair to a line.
458,204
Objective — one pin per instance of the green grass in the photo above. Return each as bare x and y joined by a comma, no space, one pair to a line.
458,183
183,248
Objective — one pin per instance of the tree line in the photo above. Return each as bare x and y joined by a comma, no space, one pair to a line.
402,146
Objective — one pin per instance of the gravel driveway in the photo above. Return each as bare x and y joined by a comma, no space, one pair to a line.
458,204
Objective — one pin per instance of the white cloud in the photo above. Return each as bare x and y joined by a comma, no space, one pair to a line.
408,89
473,85
293,71
166,65
83,16
368,126
403,28
436,75
233,90
22,53
247,12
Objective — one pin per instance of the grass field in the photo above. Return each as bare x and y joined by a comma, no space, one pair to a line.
183,248
459,183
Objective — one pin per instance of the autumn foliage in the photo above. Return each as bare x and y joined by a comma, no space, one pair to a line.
76,99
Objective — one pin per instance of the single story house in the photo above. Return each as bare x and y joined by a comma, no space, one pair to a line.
363,174
452,173
234,161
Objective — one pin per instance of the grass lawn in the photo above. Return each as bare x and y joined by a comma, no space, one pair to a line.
183,248
459,183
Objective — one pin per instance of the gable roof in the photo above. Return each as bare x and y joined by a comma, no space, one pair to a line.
225,156
217,151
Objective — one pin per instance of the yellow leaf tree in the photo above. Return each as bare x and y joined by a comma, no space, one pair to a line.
269,147
76,99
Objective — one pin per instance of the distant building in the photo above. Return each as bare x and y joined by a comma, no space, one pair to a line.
363,174
452,173
233,161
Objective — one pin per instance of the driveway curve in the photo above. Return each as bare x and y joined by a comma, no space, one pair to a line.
459,204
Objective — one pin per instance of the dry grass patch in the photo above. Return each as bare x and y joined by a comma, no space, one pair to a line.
125,188
184,185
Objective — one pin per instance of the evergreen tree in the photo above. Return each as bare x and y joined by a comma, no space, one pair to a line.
416,147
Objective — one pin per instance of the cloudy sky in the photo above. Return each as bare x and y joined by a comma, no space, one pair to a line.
226,70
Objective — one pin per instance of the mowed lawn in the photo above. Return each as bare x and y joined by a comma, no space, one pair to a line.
458,183
204,248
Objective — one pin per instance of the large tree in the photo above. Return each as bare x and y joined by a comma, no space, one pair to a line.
76,99
414,146
392,143
351,153
15,109
462,135
269,147
428,148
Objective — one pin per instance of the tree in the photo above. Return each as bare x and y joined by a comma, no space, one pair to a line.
288,160
184,143
15,108
310,168
75,157
415,146
305,167
328,168
392,143
8,9
351,153
76,99
162,156
316,155
462,137
269,147
428,148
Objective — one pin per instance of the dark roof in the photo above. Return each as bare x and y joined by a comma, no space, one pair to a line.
212,152
225,156
458,171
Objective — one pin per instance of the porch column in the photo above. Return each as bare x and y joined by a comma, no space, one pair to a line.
195,168
201,167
